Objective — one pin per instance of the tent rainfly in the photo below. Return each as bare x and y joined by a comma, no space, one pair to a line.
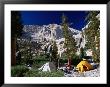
84,66
49,66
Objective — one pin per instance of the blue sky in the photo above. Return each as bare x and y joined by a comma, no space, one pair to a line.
48,17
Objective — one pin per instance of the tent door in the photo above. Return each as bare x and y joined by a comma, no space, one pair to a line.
85,68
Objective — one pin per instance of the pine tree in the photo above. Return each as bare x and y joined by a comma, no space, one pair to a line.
54,57
93,34
82,52
16,29
69,43
29,52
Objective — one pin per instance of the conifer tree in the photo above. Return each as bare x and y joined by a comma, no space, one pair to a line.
93,34
81,52
69,43
16,29
54,53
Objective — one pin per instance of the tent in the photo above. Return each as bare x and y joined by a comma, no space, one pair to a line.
49,66
84,66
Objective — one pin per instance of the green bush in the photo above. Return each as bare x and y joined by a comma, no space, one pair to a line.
38,63
63,61
58,73
76,61
18,71
32,73
41,57
36,73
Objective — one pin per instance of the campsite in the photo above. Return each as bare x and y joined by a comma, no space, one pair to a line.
64,44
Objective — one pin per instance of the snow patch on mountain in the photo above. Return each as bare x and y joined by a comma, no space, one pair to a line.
46,33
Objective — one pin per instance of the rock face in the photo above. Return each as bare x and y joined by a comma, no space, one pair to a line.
45,33
39,33
49,66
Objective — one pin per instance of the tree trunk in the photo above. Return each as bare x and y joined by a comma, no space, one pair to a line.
58,63
13,51
69,63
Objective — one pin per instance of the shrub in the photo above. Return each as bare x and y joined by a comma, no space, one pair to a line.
76,61
41,57
32,73
36,73
58,73
18,71
38,63
63,61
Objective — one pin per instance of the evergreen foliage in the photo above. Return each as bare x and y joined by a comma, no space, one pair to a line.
54,56
16,24
18,71
16,31
69,43
37,73
93,34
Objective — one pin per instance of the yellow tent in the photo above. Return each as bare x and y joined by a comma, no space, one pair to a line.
84,66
